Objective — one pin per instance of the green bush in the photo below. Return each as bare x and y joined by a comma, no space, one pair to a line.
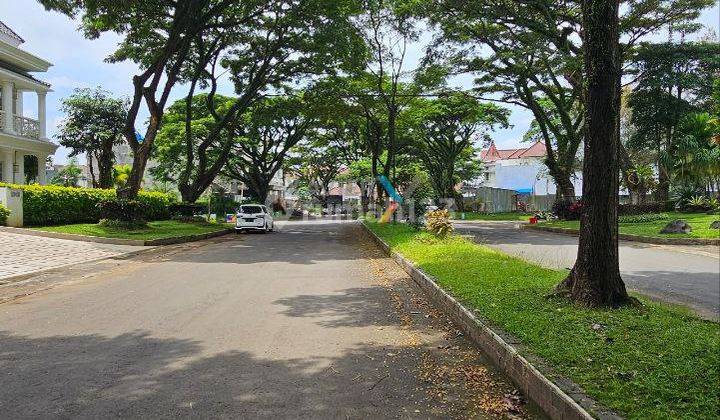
4,213
122,210
45,205
642,218
157,204
186,209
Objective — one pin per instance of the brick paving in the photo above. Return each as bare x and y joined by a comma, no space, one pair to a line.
24,254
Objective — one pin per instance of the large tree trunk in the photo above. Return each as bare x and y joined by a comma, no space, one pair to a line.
565,187
105,166
595,279
132,187
364,198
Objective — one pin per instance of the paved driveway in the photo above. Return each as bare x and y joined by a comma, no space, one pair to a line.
308,322
680,274
25,254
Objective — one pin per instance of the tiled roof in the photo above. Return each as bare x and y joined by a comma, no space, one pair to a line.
493,154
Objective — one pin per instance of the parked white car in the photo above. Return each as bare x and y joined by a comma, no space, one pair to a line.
254,217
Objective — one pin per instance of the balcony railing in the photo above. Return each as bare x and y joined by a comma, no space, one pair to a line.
22,126
27,127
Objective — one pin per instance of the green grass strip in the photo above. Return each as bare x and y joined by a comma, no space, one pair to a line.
155,230
654,362
699,222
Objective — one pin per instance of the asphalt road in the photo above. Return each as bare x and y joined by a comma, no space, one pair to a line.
686,275
308,322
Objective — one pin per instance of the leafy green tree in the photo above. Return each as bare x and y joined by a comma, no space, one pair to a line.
673,81
447,129
695,157
93,124
184,132
288,42
269,130
69,175
158,36
530,54
317,163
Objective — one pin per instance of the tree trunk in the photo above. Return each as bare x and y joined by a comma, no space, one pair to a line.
93,179
105,166
189,194
565,188
364,199
663,188
595,279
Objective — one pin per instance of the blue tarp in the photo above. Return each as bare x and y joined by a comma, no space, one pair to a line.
524,191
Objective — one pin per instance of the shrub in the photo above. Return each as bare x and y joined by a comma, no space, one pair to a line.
643,208
565,210
123,210
438,222
698,204
643,218
4,213
186,209
220,205
45,205
157,204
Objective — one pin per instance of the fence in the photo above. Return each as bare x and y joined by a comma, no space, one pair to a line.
499,200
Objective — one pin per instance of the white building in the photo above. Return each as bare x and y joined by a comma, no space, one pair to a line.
521,170
20,135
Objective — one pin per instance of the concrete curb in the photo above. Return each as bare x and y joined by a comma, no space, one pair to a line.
633,238
18,278
116,241
568,402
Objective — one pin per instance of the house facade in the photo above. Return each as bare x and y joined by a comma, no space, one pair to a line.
21,136
520,169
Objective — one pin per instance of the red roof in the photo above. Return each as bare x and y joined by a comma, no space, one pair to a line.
493,154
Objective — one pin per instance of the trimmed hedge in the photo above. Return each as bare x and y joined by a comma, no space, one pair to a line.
644,208
45,205
122,210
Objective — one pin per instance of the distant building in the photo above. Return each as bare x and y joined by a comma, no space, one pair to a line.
520,169
21,136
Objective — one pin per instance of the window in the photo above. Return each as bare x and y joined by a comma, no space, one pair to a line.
251,209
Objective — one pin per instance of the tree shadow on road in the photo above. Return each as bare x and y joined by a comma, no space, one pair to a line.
137,375
353,307
303,245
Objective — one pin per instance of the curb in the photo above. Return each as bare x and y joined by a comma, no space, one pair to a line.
568,402
18,278
628,237
116,241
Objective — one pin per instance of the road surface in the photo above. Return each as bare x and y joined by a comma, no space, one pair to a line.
307,322
685,275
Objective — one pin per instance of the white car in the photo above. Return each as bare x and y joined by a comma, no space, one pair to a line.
254,217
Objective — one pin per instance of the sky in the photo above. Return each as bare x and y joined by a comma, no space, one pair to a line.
79,62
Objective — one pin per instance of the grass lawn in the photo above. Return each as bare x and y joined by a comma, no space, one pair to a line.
155,230
653,362
494,216
700,224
